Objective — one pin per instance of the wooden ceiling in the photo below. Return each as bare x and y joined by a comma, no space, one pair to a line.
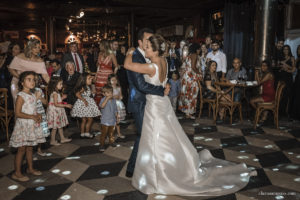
31,15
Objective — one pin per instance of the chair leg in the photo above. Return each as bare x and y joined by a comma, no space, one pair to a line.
200,112
257,113
241,114
6,127
231,113
214,112
209,109
276,119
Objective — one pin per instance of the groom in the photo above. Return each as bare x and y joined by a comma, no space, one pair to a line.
138,88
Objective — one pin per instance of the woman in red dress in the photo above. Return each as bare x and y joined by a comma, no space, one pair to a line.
105,61
268,91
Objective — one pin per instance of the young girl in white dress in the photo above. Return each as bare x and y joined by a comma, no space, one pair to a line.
56,114
117,94
27,131
85,106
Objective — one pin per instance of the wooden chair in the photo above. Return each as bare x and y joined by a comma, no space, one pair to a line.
211,104
5,114
271,106
231,105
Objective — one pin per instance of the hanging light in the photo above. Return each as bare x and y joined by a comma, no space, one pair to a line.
80,14
70,20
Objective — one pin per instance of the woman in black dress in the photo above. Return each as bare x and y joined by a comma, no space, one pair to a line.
287,66
295,103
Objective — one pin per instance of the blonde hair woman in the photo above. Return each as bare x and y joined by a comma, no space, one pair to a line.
106,59
27,61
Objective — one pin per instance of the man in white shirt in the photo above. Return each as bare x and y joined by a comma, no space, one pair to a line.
219,57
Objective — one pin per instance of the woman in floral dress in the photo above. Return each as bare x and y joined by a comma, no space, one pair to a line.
189,81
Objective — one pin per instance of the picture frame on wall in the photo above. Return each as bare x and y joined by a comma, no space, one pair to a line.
11,34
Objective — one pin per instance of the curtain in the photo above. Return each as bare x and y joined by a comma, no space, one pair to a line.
239,31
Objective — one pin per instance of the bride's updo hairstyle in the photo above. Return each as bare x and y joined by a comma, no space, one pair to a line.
158,44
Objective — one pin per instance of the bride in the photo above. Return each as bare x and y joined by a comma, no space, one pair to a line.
167,162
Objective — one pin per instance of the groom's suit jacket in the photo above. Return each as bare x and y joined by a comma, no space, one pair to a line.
138,87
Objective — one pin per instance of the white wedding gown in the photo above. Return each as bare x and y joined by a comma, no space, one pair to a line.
167,162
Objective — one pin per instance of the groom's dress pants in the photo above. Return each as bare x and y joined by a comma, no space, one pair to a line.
138,115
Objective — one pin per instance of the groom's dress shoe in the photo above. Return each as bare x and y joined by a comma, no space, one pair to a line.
129,174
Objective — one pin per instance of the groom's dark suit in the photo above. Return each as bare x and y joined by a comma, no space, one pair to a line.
138,88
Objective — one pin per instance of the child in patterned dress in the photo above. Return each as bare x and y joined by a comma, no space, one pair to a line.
27,131
117,94
56,114
85,106
40,110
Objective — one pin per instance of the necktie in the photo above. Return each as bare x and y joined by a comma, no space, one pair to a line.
76,61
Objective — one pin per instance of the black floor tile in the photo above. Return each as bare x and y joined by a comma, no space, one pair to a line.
258,181
272,159
43,165
234,141
295,132
45,193
102,171
136,195
85,150
252,131
225,197
218,153
288,144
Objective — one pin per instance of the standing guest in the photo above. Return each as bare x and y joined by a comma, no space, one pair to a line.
109,117
56,114
90,60
122,74
5,76
173,59
70,79
56,67
278,54
181,45
40,103
114,46
268,92
189,83
5,60
220,59
237,73
295,100
85,106
175,90
202,58
117,94
59,56
208,43
105,61
73,56
27,131
287,68
27,61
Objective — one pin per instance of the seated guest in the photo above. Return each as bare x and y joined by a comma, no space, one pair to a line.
266,79
56,67
173,59
237,73
210,89
70,80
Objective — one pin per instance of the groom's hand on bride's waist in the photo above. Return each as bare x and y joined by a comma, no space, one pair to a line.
167,89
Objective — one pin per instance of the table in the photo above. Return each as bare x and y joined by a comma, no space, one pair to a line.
242,85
